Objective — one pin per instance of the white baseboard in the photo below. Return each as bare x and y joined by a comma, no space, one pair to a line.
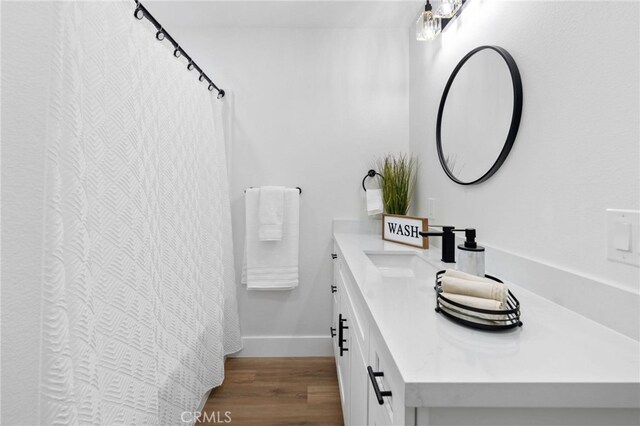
285,346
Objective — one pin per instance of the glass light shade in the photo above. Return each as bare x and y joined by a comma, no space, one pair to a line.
428,26
448,8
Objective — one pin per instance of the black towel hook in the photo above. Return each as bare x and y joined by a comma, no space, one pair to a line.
371,173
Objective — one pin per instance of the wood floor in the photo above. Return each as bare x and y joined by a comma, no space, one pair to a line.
276,391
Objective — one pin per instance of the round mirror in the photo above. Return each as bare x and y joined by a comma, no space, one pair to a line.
479,115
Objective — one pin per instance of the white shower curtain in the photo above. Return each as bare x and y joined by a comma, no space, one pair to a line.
139,304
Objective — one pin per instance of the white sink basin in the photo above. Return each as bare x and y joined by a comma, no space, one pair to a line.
401,265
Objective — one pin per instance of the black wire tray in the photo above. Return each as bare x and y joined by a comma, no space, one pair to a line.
467,315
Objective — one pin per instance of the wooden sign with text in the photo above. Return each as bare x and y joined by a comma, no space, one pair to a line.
405,230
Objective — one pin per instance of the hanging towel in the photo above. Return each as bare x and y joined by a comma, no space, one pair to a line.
270,212
374,202
271,265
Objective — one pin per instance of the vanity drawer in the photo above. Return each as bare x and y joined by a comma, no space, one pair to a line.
392,410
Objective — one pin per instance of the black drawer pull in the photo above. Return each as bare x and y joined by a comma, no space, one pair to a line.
334,289
334,256
379,394
333,331
341,339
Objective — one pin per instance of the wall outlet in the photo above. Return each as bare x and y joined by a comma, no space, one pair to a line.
623,236
431,208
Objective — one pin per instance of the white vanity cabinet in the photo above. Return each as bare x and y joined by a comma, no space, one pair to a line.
362,347
400,363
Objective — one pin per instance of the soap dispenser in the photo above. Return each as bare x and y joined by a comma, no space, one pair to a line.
471,255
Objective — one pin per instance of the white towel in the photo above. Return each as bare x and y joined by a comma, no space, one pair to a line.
477,317
271,265
270,212
493,291
474,302
374,202
464,276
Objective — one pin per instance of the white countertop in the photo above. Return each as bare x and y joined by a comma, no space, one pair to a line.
556,359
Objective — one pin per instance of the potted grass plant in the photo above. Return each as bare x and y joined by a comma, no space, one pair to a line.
398,182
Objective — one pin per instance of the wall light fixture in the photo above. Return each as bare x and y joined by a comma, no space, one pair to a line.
428,26
430,23
448,8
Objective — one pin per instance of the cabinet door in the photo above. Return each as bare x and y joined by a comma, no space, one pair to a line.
388,379
336,291
341,340
344,365
335,299
379,415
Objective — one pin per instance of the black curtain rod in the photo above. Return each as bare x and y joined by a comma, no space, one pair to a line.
142,12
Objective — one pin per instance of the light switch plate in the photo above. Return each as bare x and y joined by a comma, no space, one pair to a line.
623,235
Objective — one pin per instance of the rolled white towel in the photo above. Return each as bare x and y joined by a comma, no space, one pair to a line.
474,302
482,289
464,276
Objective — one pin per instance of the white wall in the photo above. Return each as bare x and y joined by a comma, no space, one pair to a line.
26,30
577,150
312,108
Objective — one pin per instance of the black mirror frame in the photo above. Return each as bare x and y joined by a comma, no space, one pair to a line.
515,117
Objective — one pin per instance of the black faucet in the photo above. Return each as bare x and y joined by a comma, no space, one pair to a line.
448,243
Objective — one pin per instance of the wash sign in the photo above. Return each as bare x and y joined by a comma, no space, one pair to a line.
405,230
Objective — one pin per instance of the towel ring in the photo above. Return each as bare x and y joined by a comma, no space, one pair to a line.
371,173
297,187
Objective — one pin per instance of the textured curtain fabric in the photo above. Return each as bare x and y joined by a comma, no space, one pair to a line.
139,303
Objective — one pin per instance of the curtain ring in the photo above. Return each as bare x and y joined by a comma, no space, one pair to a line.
210,87
138,13
177,52
160,34
190,65
201,78
221,95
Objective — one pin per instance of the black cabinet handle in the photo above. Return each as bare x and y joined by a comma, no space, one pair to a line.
333,331
341,339
379,394
334,289
334,256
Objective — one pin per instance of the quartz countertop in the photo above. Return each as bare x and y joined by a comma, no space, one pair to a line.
556,359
